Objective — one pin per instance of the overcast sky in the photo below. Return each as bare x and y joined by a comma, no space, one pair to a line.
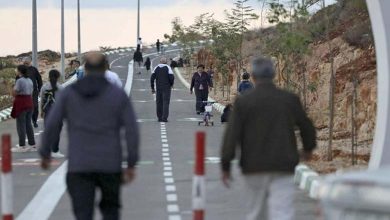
104,22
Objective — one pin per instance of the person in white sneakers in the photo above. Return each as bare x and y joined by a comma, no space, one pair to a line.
48,98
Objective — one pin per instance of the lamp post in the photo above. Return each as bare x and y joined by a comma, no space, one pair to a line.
78,31
138,22
34,34
62,41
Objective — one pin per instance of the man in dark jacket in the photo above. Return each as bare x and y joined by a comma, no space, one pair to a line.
202,83
262,126
164,78
138,60
95,111
36,78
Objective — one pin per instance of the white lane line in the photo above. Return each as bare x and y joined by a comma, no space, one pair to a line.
165,145
46,199
166,159
165,154
169,180
170,188
172,208
174,217
165,150
167,163
167,168
164,140
171,197
168,174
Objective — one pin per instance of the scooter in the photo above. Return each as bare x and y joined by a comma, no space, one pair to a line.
207,121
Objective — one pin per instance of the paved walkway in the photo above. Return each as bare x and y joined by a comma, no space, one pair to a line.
163,186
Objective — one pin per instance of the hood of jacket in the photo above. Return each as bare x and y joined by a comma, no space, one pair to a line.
91,86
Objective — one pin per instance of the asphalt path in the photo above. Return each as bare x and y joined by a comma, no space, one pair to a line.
162,189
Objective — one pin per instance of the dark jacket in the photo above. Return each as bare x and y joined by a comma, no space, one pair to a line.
204,79
245,86
36,78
147,64
95,111
262,126
163,75
138,56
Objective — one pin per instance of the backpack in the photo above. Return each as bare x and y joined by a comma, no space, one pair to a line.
48,100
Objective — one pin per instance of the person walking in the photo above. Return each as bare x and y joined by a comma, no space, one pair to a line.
164,78
22,109
262,126
112,77
201,82
173,64
147,64
158,44
48,95
139,43
245,85
96,111
138,60
36,78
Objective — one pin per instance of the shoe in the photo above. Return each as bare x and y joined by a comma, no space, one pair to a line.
198,113
160,120
18,149
57,155
164,120
33,149
35,125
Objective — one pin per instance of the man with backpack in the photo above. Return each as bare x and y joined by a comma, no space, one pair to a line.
36,78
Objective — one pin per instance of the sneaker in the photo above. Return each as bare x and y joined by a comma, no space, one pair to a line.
33,149
35,125
19,149
57,155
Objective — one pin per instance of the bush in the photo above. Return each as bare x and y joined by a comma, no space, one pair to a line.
359,35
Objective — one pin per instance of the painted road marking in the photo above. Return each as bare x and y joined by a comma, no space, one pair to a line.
171,197
173,208
170,188
46,199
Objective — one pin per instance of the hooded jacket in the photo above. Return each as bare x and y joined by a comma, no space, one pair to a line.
95,111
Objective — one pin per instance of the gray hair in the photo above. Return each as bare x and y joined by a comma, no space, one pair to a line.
263,68
163,60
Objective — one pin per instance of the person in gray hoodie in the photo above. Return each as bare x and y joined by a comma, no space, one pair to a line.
94,121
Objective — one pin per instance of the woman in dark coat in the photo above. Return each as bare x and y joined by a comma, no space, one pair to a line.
148,64
202,83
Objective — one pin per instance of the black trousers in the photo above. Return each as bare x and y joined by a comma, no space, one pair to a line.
163,98
24,127
81,188
35,113
201,96
55,148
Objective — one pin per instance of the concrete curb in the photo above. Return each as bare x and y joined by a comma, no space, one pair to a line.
308,180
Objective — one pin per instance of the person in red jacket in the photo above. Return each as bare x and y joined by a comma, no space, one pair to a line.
22,109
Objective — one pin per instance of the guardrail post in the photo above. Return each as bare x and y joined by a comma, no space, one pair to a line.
198,187
6,178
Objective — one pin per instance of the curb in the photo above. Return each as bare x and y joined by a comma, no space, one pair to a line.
305,178
308,180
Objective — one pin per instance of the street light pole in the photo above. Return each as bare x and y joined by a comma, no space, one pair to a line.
78,31
62,40
138,22
34,34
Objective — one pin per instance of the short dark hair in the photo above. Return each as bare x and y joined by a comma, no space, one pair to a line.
200,66
95,63
23,70
246,76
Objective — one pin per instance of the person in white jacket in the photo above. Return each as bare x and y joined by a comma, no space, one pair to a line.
113,77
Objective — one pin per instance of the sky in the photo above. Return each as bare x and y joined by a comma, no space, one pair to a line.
103,22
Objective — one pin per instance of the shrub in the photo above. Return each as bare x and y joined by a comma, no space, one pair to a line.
359,35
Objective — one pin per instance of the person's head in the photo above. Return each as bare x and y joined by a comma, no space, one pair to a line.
54,75
148,59
22,71
107,64
76,64
158,40
163,60
139,38
138,48
263,70
200,68
27,61
245,76
95,64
